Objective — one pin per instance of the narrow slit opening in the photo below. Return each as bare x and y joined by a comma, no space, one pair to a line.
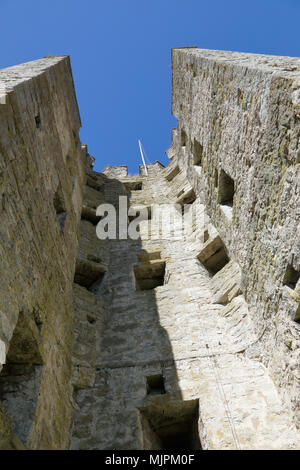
38,123
183,138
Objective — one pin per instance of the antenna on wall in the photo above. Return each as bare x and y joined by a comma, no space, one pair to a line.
142,155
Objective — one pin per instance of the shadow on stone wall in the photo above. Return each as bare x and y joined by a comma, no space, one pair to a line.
129,397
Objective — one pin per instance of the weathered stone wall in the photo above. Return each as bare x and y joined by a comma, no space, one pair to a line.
243,111
187,339
194,331
42,170
222,329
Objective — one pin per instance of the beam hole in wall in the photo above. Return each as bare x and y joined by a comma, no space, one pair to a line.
188,197
291,277
146,256
91,320
93,182
149,274
155,385
59,206
171,425
197,151
133,186
38,122
170,176
213,255
89,273
89,214
226,189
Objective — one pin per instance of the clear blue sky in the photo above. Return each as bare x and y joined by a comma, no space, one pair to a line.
120,53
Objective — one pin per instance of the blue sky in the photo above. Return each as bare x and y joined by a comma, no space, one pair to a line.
121,57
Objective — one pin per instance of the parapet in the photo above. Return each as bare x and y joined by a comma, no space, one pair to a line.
116,171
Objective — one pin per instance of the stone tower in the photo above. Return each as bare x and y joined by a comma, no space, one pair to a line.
179,341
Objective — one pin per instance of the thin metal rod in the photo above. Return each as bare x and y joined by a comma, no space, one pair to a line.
142,155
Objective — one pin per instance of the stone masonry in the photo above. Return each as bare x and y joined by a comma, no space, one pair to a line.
172,342
42,170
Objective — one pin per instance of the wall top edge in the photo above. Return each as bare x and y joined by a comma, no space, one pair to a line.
282,65
17,74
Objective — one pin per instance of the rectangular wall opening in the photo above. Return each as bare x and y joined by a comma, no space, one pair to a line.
188,197
170,176
197,151
93,182
88,273
183,138
291,277
171,425
89,214
155,385
148,256
213,255
149,274
226,189
133,185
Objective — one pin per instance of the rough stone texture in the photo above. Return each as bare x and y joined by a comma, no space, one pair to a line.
210,355
178,331
224,333
41,174
244,111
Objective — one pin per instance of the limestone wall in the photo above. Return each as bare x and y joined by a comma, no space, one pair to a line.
42,170
238,115
183,340
193,331
215,344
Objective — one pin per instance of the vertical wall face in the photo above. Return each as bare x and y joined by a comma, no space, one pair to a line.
163,343
244,112
41,177
172,331
173,340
